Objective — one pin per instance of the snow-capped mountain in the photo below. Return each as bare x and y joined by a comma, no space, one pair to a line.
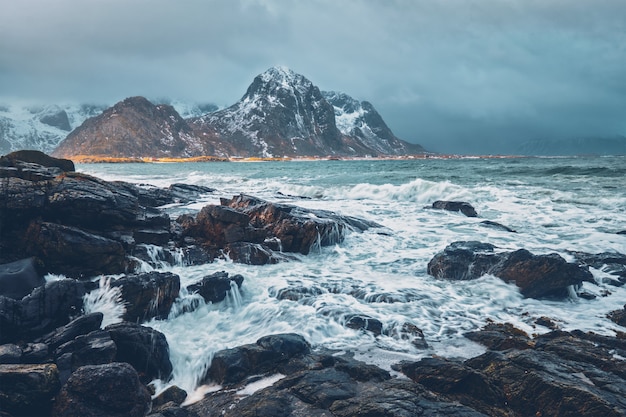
284,114
360,119
281,114
133,127
40,127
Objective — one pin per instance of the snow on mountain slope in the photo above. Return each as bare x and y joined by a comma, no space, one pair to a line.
281,113
284,113
361,120
40,127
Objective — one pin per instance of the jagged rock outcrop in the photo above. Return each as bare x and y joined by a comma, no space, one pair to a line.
73,223
255,231
103,390
144,348
537,276
148,295
28,390
214,288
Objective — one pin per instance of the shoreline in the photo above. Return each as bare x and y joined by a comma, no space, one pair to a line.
98,159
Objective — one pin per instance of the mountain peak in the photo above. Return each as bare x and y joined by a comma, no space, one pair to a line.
279,73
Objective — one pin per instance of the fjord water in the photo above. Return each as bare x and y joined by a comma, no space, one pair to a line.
555,205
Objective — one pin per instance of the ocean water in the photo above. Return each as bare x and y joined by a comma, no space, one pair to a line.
554,204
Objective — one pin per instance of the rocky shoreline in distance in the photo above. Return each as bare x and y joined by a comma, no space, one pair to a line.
58,360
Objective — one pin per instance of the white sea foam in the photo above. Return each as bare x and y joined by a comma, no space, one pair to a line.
381,273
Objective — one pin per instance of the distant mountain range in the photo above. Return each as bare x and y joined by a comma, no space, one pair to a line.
43,127
281,114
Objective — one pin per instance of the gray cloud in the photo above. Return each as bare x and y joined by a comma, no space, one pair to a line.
473,75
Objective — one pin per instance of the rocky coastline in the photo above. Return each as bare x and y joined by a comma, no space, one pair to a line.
56,359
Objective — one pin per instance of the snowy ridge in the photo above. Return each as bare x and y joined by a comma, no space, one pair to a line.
40,127
282,114
280,109
361,120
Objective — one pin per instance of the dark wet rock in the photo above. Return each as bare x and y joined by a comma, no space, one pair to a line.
618,316
28,390
171,409
251,253
557,373
172,394
103,390
144,348
501,336
546,322
459,382
335,387
74,252
231,366
95,348
298,229
151,196
497,226
321,388
251,230
463,260
541,383
613,263
45,309
148,295
214,288
622,232
537,276
77,327
39,158
398,398
78,225
408,331
296,293
19,278
10,354
362,322
463,207
151,236
35,353
540,276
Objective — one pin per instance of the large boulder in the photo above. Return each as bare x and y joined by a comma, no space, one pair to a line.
144,348
214,288
74,252
462,206
297,229
40,158
540,276
231,366
77,327
43,310
19,278
251,230
463,260
148,295
94,348
537,276
28,390
103,390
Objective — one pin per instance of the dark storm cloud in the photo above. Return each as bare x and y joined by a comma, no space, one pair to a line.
445,73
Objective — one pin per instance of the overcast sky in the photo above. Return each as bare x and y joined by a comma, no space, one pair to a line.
453,75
